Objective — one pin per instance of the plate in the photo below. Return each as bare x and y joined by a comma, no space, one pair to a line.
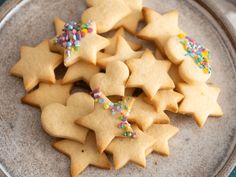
25,149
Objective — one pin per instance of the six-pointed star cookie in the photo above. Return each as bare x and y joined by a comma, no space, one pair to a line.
103,123
160,27
144,115
80,71
123,52
47,94
36,65
82,155
130,149
149,74
166,100
111,48
200,101
161,133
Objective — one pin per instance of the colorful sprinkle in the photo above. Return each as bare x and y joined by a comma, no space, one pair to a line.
197,52
119,107
71,36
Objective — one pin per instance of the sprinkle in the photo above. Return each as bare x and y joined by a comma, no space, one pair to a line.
71,36
200,55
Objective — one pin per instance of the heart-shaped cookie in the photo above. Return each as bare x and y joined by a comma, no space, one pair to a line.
58,120
113,81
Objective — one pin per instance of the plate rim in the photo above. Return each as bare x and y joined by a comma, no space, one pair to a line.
211,8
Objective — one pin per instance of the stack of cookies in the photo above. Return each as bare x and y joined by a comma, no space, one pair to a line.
114,92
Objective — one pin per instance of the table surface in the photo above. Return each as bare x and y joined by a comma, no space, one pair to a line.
228,7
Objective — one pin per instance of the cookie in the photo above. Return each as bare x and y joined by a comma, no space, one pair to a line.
166,100
79,42
113,81
111,48
105,13
200,101
82,155
126,149
131,21
58,120
161,133
158,55
108,120
149,74
160,28
47,94
144,115
80,71
194,59
59,25
36,65
123,52
174,74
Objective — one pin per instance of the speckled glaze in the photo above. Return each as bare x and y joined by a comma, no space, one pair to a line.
25,149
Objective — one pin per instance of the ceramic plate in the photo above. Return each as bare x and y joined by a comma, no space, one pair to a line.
25,149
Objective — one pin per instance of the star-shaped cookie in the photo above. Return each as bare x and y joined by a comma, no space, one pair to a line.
90,44
200,101
161,133
105,13
127,149
59,120
36,65
103,123
123,52
131,21
111,48
47,94
166,100
144,115
160,27
149,74
82,155
80,71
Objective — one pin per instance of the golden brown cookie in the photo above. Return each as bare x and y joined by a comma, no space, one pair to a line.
127,149
144,115
149,74
123,53
200,101
82,155
165,100
47,94
58,120
113,81
36,65
161,133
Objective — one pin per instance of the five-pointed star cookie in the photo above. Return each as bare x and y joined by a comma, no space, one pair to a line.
127,149
106,13
80,71
59,120
149,74
103,123
47,94
123,52
82,155
200,101
90,44
144,115
160,27
111,48
36,65
131,21
166,100
161,133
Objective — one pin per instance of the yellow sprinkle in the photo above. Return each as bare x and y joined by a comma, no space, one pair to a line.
72,49
206,60
84,30
106,106
181,35
205,70
205,53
